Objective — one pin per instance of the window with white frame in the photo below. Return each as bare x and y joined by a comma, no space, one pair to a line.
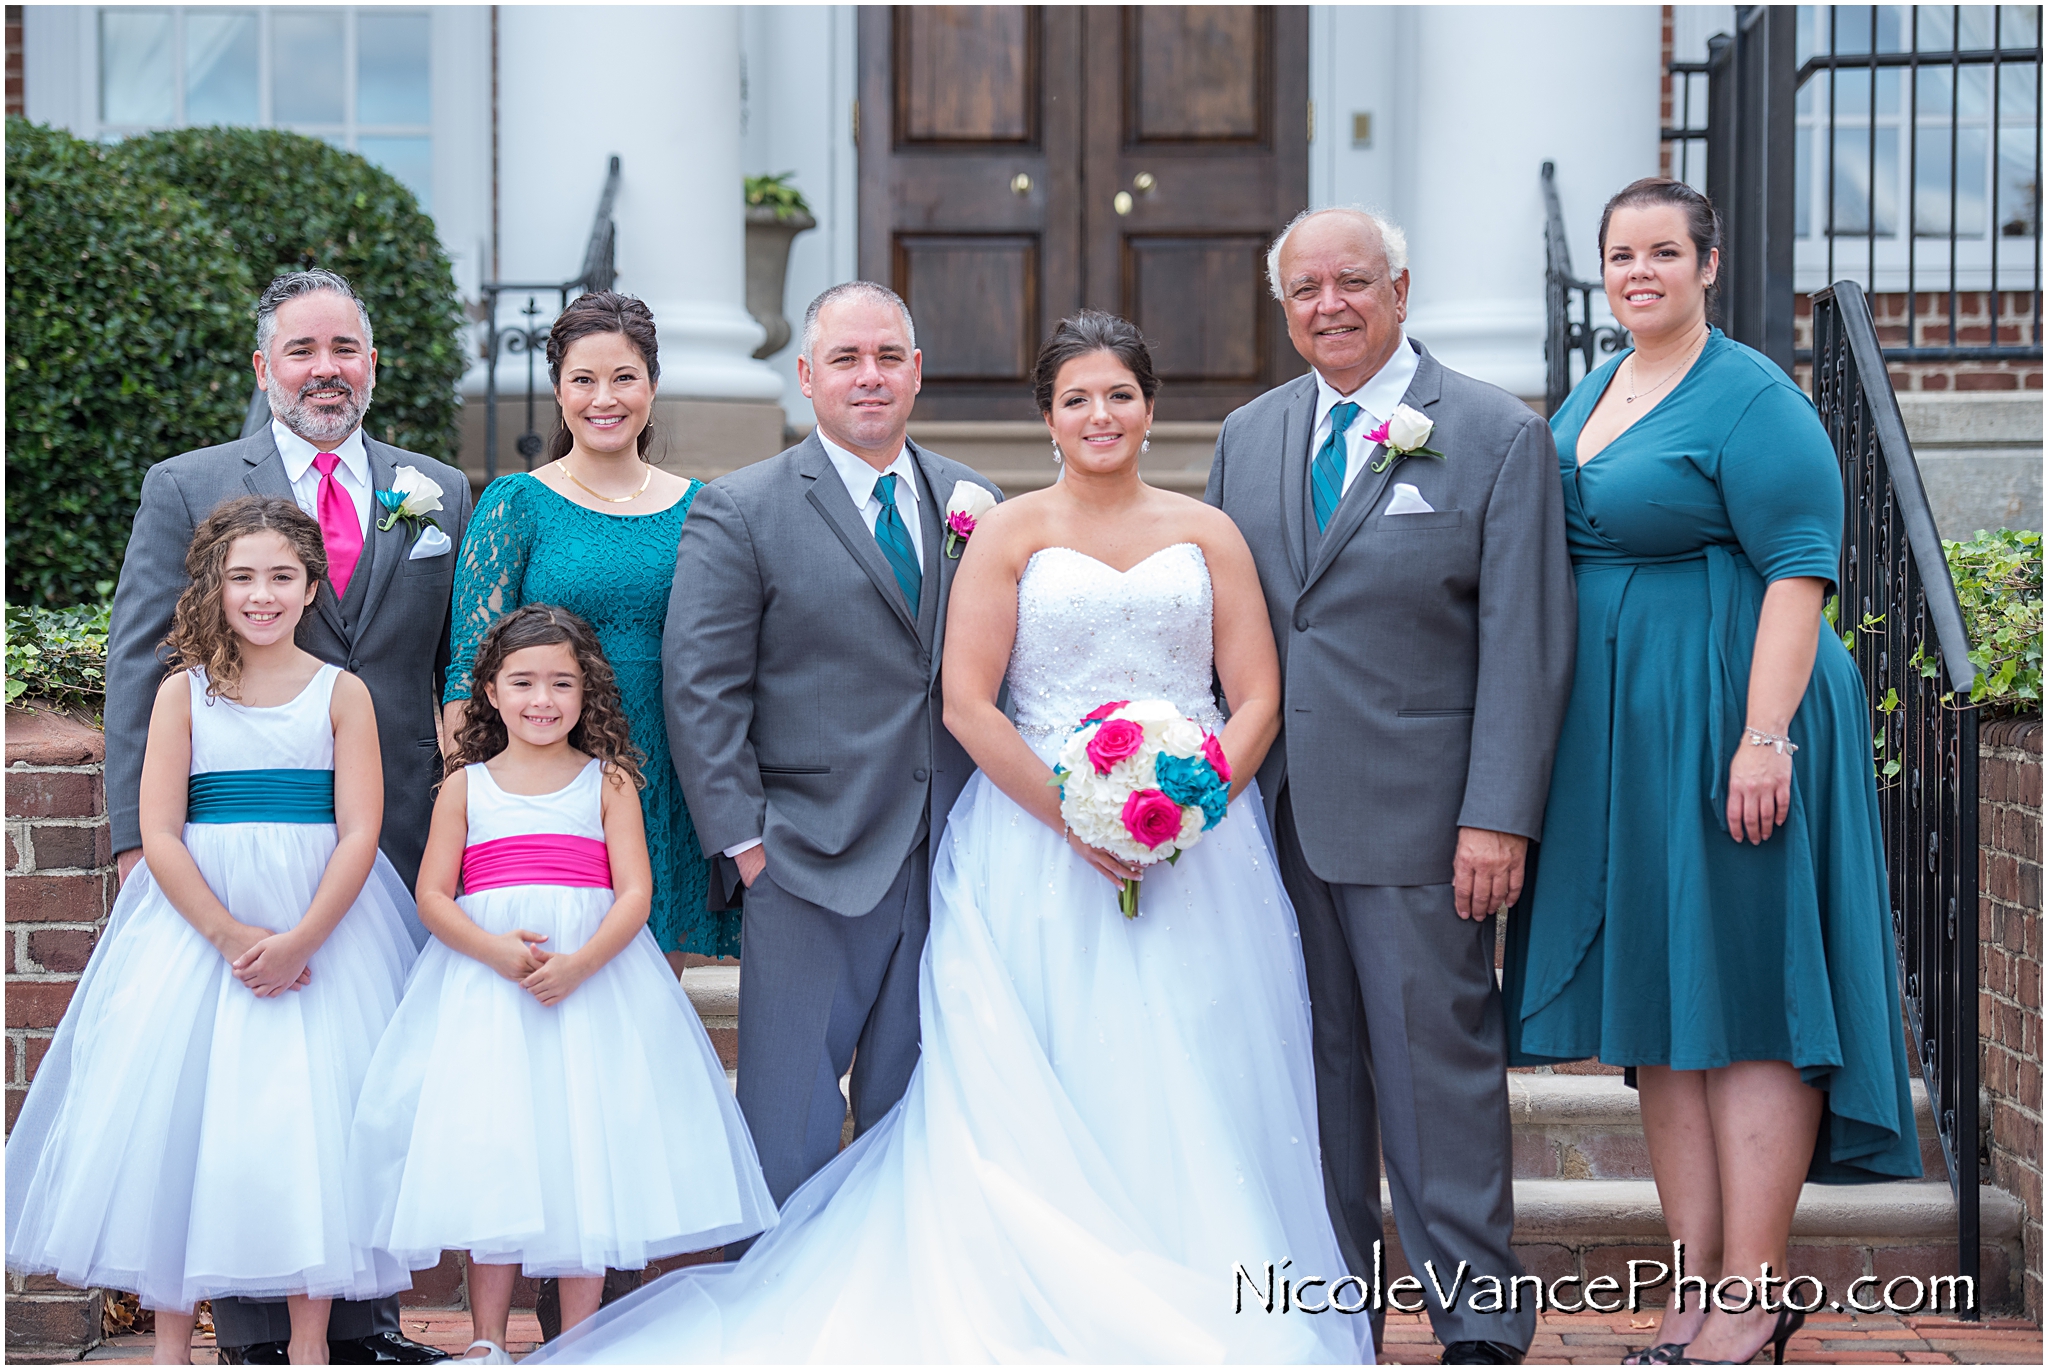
357,78
1921,132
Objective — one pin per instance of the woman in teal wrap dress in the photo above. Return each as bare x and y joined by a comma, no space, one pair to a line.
595,531
1709,904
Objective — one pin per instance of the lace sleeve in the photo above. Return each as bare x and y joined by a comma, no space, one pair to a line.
489,578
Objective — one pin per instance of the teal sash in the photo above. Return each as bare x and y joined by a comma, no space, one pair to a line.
279,796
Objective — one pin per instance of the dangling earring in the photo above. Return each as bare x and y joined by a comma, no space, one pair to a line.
1059,458
1146,445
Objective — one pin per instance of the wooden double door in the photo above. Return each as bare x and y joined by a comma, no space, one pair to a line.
1018,163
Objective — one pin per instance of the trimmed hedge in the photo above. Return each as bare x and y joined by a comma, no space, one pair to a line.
288,201
127,341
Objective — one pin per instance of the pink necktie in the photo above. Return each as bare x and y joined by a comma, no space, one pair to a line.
339,526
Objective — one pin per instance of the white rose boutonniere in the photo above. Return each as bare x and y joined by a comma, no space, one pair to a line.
1403,435
412,497
964,508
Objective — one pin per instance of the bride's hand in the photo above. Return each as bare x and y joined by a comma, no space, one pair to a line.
1113,867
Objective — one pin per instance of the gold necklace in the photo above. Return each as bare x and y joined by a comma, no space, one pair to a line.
645,481
1631,399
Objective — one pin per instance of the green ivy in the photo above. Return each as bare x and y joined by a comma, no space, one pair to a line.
1998,580
288,201
776,193
59,656
127,336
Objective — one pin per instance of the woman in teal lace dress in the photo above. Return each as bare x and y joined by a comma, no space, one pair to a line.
595,531
1709,905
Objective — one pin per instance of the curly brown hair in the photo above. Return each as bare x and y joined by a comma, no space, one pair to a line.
600,731
200,635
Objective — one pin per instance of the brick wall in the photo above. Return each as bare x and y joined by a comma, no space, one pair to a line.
1928,326
2009,959
59,887
15,103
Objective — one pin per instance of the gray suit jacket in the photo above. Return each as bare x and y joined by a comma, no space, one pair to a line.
1426,658
394,634
802,694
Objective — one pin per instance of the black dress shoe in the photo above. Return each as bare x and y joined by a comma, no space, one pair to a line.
1479,1353
382,1348
255,1353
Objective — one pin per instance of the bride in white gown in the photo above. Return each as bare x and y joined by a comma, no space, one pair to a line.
1109,1116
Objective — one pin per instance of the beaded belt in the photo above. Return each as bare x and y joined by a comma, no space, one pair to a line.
1209,720
271,796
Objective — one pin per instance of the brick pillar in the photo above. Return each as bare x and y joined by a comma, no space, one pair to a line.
16,102
59,883
2009,995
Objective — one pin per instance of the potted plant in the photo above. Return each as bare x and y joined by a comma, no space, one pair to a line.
776,213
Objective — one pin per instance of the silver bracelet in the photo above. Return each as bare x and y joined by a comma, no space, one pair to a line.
1784,746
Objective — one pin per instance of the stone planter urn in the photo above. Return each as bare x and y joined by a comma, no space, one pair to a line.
768,240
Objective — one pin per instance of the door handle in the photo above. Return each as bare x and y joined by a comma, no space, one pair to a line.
1021,183
1122,202
1144,182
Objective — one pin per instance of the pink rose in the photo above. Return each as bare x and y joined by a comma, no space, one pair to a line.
1151,818
1212,750
1378,435
1114,741
1104,711
961,524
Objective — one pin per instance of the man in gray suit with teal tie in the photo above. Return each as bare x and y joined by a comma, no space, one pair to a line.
801,677
1408,528
384,618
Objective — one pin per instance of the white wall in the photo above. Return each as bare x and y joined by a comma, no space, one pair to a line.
796,115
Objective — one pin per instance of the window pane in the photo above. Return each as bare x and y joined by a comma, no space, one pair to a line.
307,67
2019,26
1974,27
391,68
2019,186
1855,204
220,68
1894,27
1802,180
138,73
2016,93
1852,28
411,160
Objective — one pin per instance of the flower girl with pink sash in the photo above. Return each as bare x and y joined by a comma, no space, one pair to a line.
545,1097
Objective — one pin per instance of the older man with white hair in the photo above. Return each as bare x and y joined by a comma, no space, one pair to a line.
1409,532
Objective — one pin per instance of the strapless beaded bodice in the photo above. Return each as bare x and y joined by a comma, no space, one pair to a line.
1088,634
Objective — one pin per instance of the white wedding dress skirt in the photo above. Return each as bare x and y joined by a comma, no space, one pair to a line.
1107,1118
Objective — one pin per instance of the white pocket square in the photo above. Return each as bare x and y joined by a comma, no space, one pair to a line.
1408,500
431,542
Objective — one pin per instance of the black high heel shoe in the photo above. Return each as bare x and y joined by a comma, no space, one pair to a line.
1663,1353
1789,1321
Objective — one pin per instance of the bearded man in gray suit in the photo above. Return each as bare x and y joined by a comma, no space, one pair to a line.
384,618
801,675
1425,614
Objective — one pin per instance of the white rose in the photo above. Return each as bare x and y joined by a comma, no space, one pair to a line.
422,494
1191,820
1407,429
969,499
1181,738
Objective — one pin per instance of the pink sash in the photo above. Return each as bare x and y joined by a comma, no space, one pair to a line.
542,858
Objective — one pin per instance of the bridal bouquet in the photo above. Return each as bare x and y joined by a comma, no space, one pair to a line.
1139,780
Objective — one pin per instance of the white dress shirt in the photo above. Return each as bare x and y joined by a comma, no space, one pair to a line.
860,481
860,488
1376,401
352,473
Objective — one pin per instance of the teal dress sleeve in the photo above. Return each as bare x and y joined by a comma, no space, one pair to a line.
490,577
1782,487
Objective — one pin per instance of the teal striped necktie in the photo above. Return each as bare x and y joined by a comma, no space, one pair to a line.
1326,474
894,539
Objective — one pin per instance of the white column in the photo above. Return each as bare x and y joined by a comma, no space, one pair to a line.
659,86
1490,93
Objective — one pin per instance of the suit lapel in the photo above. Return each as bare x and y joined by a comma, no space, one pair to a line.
1297,426
938,575
384,551
1364,494
827,493
266,476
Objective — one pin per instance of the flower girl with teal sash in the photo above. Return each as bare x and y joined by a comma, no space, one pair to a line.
185,1135
545,1098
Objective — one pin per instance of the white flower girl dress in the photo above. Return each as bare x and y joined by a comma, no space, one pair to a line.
597,1132
184,1139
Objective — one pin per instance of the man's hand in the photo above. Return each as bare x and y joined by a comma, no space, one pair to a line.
751,862
126,862
1486,874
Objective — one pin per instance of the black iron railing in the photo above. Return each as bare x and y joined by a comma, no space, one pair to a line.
530,337
1564,335
1897,606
